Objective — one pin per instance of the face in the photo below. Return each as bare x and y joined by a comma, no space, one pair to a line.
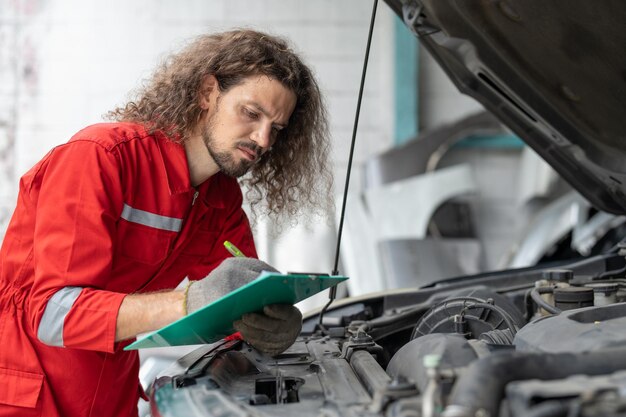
243,123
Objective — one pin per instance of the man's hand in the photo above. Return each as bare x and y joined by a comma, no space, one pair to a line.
231,274
273,330
140,313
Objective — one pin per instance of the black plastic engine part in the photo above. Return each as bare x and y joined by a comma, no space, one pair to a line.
454,351
534,397
483,384
498,337
559,275
582,330
266,391
570,298
605,288
470,313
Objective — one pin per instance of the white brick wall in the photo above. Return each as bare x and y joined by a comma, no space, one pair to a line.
8,107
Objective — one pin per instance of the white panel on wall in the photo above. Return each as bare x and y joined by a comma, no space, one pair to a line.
440,100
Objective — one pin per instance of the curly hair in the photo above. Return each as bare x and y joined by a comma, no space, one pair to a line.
291,179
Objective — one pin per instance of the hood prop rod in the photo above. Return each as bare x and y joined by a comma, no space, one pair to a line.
333,291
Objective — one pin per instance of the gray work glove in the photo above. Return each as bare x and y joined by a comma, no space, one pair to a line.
231,274
273,330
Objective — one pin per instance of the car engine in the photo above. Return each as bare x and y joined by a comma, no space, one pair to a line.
545,341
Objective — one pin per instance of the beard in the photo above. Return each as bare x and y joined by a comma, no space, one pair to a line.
225,160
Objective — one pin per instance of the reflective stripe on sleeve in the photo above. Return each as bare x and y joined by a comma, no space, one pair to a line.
146,218
50,329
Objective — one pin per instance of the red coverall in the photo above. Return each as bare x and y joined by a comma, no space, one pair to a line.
111,212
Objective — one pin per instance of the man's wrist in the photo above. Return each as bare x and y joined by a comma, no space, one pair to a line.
185,294
140,313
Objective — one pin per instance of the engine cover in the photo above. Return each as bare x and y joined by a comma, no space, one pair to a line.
579,330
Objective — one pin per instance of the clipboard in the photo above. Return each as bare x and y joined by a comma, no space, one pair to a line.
215,320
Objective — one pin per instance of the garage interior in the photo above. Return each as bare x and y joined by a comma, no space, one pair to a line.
478,198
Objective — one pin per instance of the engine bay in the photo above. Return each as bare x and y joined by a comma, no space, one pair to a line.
531,342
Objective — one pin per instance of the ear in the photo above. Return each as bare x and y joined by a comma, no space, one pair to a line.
209,88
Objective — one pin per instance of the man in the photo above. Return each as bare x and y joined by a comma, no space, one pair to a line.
109,223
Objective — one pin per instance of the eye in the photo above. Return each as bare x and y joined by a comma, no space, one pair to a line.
250,114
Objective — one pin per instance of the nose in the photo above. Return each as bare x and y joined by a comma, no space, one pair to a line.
262,136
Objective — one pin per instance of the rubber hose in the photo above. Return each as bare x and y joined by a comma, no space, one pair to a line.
535,294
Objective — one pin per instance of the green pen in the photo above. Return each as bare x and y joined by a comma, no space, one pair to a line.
234,250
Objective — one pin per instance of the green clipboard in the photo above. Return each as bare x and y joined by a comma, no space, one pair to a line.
215,320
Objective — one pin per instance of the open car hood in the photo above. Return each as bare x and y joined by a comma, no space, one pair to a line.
553,71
